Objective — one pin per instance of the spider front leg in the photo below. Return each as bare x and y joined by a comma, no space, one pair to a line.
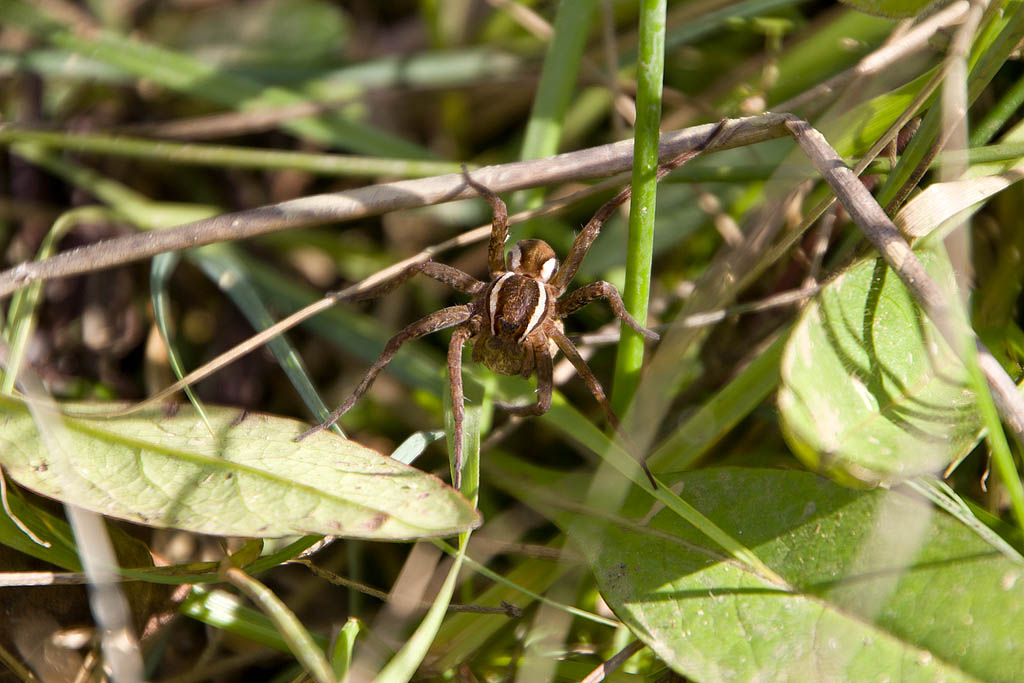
439,320
584,371
581,245
499,225
453,277
460,336
602,290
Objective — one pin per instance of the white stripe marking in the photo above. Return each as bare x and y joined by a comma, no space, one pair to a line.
492,304
548,269
538,310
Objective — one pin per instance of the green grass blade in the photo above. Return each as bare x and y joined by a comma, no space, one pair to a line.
186,74
159,274
309,653
556,86
22,310
404,664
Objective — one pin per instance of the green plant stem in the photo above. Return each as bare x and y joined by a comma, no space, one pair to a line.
998,115
640,249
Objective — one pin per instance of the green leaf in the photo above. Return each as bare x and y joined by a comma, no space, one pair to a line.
248,478
895,9
877,584
952,610
870,390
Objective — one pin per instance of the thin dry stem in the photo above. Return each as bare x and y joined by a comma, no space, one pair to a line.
373,200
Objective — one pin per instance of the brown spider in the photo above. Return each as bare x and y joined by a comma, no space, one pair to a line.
514,321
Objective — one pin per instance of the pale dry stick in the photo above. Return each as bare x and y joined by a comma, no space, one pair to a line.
779,300
598,674
256,341
954,102
775,251
107,602
348,205
916,39
879,229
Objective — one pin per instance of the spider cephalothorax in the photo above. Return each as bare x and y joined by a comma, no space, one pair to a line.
514,321
516,307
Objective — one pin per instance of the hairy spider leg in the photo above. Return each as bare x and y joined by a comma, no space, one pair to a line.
581,245
460,336
545,382
584,371
586,294
453,277
438,320
499,225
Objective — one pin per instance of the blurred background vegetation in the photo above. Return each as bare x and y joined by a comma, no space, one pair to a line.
159,113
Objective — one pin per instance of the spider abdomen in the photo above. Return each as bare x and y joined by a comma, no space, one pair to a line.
517,304
516,307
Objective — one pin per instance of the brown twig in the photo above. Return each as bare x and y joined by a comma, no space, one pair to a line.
373,200
614,663
879,229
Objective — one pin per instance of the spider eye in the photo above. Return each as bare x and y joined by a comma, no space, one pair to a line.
515,258
548,269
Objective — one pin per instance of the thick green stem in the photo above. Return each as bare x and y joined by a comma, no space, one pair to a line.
635,294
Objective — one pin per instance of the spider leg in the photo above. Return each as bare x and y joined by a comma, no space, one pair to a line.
601,290
581,245
499,225
545,383
439,320
453,277
570,351
461,334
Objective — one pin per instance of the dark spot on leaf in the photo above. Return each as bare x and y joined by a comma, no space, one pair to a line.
42,467
171,409
240,418
376,522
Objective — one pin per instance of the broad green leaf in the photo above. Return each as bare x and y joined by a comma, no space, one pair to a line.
880,585
248,478
870,390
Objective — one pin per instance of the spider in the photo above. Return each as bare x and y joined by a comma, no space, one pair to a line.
514,321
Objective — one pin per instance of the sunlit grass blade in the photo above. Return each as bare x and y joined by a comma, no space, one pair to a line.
300,642
222,265
21,313
160,273
221,610
404,664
